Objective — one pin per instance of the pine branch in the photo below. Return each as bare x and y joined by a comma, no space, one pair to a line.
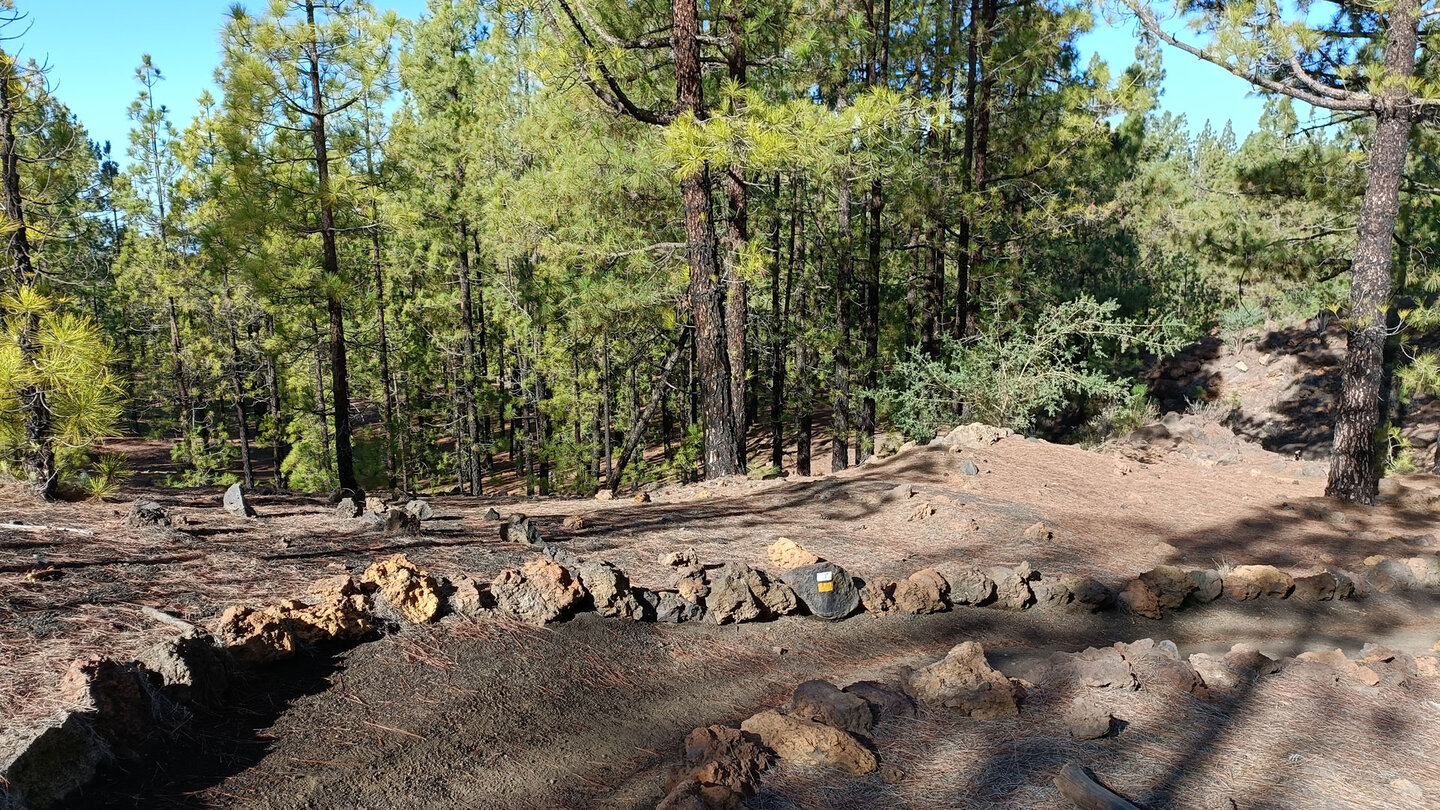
1358,101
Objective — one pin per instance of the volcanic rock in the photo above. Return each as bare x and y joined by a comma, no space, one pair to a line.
924,591
885,700
726,757
421,510
117,699
878,596
967,585
789,554
810,743
520,529
236,503
408,589
964,680
1315,587
680,559
822,702
190,668
1012,587
825,588
1171,585
1251,581
147,513
1209,585
539,592
40,768
1140,599
1087,720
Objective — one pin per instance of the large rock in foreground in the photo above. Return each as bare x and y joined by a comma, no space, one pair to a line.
739,593
811,743
719,756
40,768
822,702
408,589
539,592
825,588
964,680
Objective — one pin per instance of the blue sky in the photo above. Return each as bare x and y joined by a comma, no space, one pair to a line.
93,47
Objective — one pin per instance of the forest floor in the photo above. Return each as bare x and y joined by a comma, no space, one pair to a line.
591,712
588,712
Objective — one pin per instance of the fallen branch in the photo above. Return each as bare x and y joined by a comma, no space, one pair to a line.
165,618
22,527
1085,793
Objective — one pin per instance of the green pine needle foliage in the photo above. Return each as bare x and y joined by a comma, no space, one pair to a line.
1013,376
71,365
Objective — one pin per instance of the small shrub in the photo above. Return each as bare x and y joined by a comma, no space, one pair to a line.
1399,454
1013,376
1135,411
106,476
1215,410
684,464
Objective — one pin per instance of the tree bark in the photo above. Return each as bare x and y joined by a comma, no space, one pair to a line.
779,322
804,395
339,367
706,295
977,140
272,386
386,383
844,278
1354,464
237,387
877,77
38,452
470,373
737,235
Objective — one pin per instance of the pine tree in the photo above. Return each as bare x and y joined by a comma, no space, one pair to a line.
1363,61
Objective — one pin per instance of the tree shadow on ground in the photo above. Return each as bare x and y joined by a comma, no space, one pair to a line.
215,744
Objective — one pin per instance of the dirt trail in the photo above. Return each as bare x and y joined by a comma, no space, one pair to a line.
587,713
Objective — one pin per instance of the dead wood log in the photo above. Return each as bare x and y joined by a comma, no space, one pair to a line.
23,527
1085,793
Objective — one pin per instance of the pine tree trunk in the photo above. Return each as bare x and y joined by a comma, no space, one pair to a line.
737,235
844,278
607,396
642,418
320,407
38,451
706,294
971,168
1354,465
237,388
182,390
470,374
387,385
804,394
272,386
339,367
779,320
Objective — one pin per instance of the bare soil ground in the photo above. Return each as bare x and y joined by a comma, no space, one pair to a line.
491,714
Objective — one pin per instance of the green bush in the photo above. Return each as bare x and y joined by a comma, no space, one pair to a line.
306,467
1018,373
70,363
